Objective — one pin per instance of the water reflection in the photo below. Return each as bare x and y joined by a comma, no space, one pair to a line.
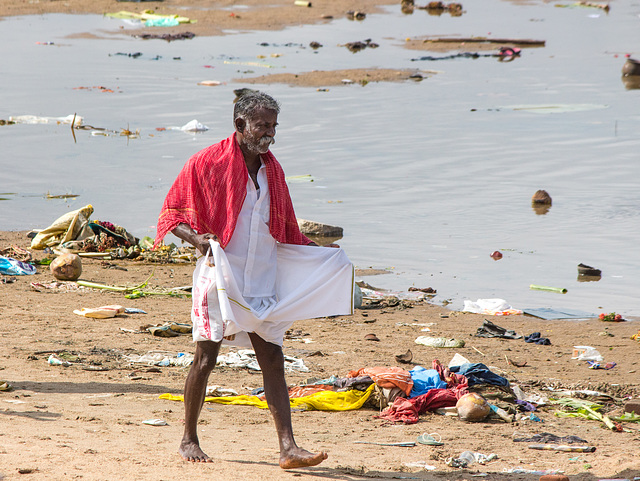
540,209
582,278
631,82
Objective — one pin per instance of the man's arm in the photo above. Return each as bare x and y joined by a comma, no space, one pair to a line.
199,241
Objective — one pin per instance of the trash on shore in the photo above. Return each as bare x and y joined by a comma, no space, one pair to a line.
66,267
360,45
559,290
13,267
439,342
104,312
491,307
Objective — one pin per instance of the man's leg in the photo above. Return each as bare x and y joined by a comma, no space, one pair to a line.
194,391
271,362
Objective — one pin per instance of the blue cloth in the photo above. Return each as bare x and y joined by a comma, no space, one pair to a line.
478,373
424,380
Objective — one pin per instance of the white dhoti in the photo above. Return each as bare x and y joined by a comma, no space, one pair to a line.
310,282
258,285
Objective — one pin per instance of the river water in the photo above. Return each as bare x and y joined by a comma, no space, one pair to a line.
426,178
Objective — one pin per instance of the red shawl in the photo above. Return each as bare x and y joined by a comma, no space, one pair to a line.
210,190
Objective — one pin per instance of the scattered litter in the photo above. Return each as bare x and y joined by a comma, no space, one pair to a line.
56,361
13,267
611,317
566,448
467,458
535,337
405,358
551,314
439,342
586,353
458,360
489,329
155,422
150,18
585,270
559,290
167,36
219,391
103,312
491,307
134,310
357,46
508,53
247,358
548,438
5,386
191,126
420,464
430,439
597,365
161,358
406,444
35,119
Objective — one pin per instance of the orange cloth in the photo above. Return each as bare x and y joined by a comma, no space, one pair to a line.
387,377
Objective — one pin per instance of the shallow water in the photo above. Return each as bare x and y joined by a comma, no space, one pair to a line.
426,178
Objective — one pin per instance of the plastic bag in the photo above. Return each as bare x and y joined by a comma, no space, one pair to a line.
586,353
13,267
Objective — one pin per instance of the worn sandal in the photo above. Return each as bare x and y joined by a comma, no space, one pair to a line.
430,440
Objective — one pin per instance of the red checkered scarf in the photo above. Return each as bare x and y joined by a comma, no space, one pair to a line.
210,190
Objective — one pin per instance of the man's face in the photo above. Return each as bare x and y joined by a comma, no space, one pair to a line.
260,131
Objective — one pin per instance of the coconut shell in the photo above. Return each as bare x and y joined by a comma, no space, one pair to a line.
472,407
66,267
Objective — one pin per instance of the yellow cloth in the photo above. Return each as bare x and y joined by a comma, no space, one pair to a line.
71,226
147,15
320,401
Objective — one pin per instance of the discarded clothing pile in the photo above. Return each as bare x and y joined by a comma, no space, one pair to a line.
409,410
405,394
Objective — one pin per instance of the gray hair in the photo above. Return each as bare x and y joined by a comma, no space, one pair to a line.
248,103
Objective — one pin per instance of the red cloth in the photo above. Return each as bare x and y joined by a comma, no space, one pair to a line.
408,410
210,190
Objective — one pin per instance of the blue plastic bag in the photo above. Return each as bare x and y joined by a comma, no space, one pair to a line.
12,267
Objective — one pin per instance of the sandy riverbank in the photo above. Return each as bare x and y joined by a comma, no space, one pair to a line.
73,423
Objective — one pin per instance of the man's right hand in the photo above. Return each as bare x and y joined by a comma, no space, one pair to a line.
202,242
199,241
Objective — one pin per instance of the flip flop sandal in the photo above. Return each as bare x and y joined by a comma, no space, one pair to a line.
181,328
429,439
162,331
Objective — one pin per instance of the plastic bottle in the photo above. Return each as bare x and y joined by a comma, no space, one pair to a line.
12,267
469,457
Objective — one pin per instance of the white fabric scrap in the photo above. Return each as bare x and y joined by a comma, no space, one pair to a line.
489,307
155,358
219,391
247,358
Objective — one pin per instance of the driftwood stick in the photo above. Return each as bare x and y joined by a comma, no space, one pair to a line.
515,41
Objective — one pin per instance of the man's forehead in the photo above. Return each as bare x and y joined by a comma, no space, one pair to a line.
262,113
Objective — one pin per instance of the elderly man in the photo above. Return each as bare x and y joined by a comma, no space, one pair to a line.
258,272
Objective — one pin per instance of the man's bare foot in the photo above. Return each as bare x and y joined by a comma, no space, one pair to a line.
192,452
301,458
